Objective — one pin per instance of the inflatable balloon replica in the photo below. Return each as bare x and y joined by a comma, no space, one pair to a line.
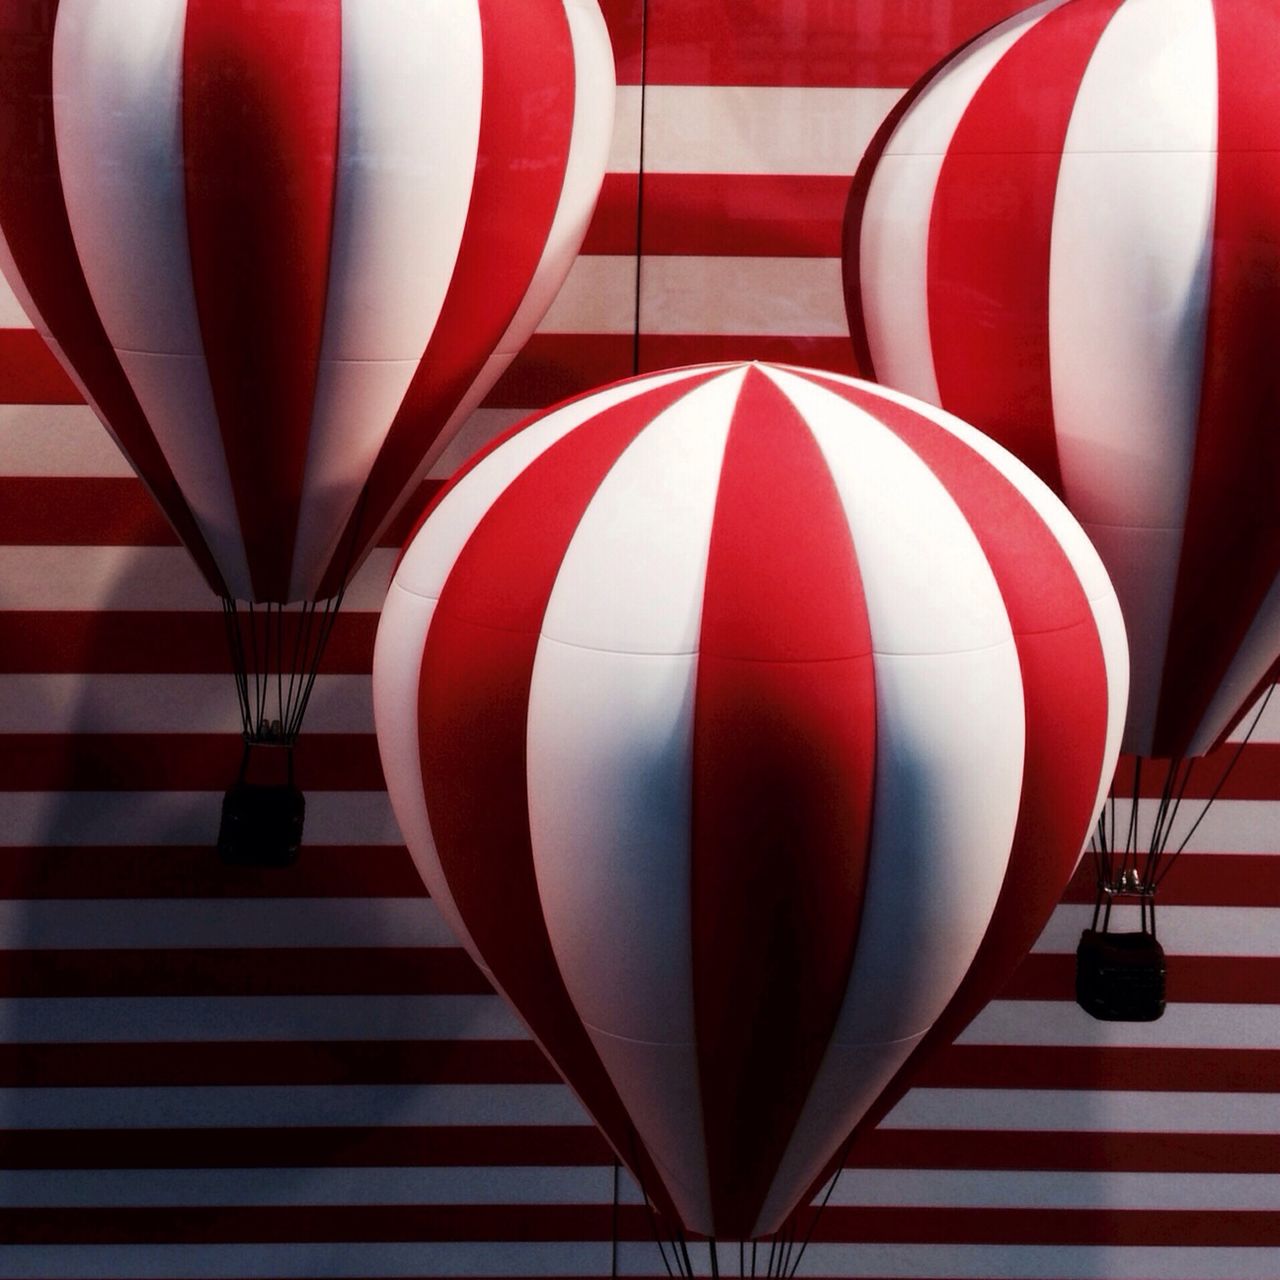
272,243
744,722
1068,233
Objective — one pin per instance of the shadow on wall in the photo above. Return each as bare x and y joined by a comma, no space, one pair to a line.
148,987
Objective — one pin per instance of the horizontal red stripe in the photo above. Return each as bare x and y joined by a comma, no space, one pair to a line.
1177,1227
554,366
85,871
100,511
793,42
624,19
612,229
1252,773
550,1222
293,1063
339,1146
159,642
1191,979
783,215
398,1061
582,1145
176,761
29,372
268,971
1206,880
980,1066
669,351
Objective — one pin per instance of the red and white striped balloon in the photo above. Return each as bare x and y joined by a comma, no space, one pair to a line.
274,243
1067,233
746,723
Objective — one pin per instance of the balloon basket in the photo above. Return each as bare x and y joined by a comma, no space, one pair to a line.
262,817
261,824
1120,977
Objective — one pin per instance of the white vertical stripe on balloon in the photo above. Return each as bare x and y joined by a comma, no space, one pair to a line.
428,560
950,742
409,126
610,747
1084,558
894,251
632,576
593,103
117,101
18,288
589,144
1253,659
1127,311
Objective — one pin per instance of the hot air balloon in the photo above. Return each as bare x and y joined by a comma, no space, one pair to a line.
1068,233
742,720
272,242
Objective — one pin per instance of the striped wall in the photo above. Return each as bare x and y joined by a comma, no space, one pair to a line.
235,1074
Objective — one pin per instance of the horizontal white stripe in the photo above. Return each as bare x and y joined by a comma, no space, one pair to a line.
743,296
12,316
701,295
325,1260
1041,1262
624,150
598,296
317,1261
68,439
57,440
1033,1189
289,1106
737,129
178,817
1220,931
1189,1026
105,578
113,703
165,1019
111,923
364,817
1086,1111
1267,726
128,1188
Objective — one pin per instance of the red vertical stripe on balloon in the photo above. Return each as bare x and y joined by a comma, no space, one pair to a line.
1064,687
1231,547
989,235
33,216
783,767
851,249
473,706
526,124
260,94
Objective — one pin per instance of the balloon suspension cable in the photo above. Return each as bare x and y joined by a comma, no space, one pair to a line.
650,1212
275,671
1135,867
613,1252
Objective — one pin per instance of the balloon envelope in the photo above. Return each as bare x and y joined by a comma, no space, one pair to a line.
1068,233
273,241
744,722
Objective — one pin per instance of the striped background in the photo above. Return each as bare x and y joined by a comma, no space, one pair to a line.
232,1074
